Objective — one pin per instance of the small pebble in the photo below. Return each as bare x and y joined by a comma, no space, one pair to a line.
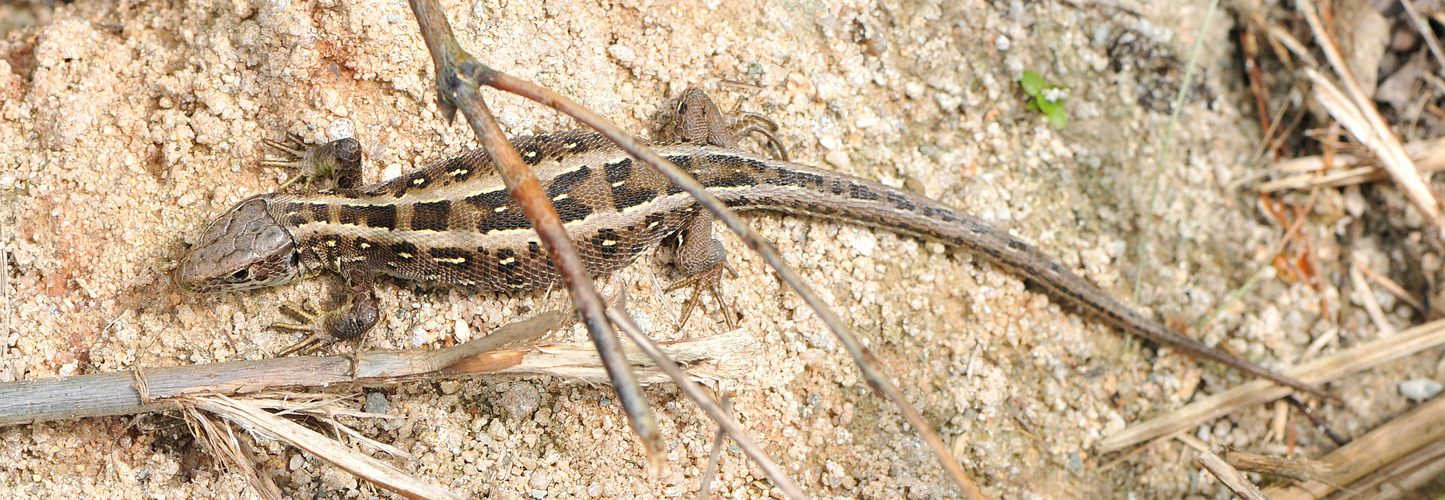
461,331
1002,43
376,403
520,401
1419,389
341,129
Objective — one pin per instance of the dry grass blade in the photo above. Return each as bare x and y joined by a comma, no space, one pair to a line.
1358,114
1324,369
1389,442
1366,296
1291,467
375,471
1308,171
1385,282
1408,472
222,444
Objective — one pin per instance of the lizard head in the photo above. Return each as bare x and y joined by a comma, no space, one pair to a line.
243,249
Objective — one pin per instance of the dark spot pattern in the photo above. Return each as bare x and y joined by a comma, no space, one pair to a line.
430,216
682,161
349,214
860,192
734,179
624,194
533,249
900,202
625,197
569,208
321,212
459,169
655,222
618,171
606,242
493,220
404,251
531,154
507,261
452,257
381,217
786,177
293,213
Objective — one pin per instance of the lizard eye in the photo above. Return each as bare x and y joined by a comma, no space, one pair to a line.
681,108
239,276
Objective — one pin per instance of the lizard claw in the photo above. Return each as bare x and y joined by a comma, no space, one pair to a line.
711,281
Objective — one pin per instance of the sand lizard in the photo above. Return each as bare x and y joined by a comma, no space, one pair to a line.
453,223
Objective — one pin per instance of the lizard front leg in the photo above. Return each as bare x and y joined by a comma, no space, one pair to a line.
339,159
353,318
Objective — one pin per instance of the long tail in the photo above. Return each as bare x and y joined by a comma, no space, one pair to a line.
748,182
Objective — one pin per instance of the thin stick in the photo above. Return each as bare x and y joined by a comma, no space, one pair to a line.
714,456
1386,443
1389,284
695,392
1425,32
1366,296
458,77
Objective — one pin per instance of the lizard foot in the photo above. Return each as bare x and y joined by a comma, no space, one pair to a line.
711,281
339,160
309,319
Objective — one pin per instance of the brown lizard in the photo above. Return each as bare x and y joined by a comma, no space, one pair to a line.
452,223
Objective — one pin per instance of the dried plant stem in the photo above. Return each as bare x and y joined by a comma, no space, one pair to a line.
496,354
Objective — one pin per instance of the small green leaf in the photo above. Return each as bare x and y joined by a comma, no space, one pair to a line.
1032,83
1054,111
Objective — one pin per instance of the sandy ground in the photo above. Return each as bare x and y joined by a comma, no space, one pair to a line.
128,126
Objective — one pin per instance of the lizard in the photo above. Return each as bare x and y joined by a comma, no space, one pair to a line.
453,224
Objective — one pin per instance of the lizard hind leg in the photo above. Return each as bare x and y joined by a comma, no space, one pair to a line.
750,123
340,160
702,259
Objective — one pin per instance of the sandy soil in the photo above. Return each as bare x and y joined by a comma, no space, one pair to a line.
128,126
